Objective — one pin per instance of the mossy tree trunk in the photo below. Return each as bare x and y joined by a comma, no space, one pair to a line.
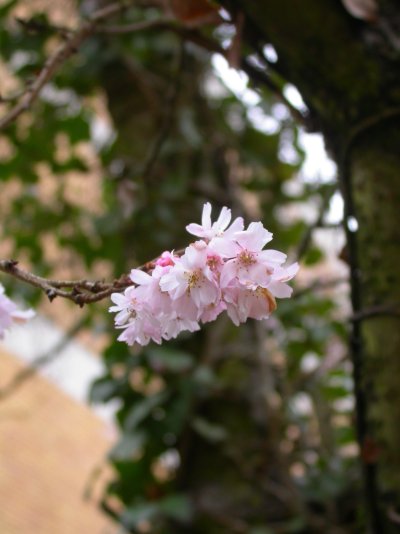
347,71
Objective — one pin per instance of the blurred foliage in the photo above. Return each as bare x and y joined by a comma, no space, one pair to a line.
226,430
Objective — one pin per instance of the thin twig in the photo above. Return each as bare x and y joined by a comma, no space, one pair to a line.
261,77
80,291
165,128
189,34
144,25
29,371
58,58
376,311
39,26
320,285
307,237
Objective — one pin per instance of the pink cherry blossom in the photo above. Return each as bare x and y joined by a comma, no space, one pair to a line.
148,290
142,329
167,258
277,285
172,327
10,314
192,275
208,230
228,269
248,259
245,302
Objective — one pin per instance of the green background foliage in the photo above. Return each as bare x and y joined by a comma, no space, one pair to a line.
212,438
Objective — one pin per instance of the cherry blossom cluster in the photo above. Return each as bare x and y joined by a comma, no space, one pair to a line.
10,314
226,269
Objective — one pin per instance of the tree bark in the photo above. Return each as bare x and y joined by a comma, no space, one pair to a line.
347,71
374,171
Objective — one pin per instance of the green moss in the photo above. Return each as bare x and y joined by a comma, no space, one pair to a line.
375,172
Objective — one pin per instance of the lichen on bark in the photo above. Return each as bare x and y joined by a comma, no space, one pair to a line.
376,192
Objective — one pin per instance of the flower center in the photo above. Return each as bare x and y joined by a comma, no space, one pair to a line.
194,279
214,261
247,258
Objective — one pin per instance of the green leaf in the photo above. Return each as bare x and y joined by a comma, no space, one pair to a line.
176,506
332,393
77,128
167,359
210,431
103,390
133,515
141,410
313,256
128,447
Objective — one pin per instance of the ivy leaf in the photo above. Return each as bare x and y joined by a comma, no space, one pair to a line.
210,431
171,360
128,447
141,410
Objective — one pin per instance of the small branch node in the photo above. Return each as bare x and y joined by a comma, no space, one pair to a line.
51,294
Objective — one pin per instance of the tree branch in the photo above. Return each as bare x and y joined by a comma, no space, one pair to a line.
81,291
78,291
376,311
308,234
170,104
58,58
320,285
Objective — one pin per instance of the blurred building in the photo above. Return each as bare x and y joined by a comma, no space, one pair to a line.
52,445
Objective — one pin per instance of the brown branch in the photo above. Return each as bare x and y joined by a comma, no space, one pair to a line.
187,33
78,291
376,311
34,25
58,58
81,291
73,40
145,25
308,234
170,105
320,285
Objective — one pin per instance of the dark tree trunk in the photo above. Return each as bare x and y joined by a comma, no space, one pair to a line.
347,71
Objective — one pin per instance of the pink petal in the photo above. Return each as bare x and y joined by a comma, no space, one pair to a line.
254,238
223,219
206,216
236,226
280,290
140,277
272,256
195,229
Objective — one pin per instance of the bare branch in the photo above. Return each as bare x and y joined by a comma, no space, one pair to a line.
376,311
73,40
78,291
320,285
145,25
165,128
58,58
308,234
